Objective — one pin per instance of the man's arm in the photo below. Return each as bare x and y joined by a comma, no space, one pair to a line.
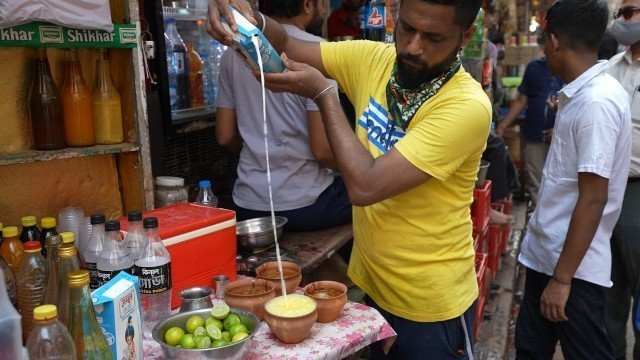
514,111
592,198
318,141
303,51
393,174
227,133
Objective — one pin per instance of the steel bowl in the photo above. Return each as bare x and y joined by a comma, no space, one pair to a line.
482,173
233,351
258,232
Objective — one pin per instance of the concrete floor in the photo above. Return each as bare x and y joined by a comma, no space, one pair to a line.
495,341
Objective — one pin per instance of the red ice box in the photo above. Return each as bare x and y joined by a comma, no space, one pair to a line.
201,241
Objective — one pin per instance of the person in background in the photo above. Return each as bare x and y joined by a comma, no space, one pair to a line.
566,248
304,190
411,167
625,242
344,21
538,86
502,173
609,47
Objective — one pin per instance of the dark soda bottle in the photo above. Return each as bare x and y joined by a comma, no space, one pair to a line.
45,106
373,14
180,63
30,231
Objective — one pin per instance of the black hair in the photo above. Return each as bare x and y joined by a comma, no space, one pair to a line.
466,10
281,8
579,24
609,46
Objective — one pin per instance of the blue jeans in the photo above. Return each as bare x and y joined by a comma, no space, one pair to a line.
440,340
331,209
582,337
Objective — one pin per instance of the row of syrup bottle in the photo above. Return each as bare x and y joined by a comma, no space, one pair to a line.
73,116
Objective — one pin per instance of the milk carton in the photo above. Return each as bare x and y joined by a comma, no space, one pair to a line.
117,308
243,46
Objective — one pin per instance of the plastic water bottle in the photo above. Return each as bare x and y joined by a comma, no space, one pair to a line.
214,69
115,257
154,271
171,75
205,195
10,328
9,282
207,81
93,250
135,239
32,281
49,339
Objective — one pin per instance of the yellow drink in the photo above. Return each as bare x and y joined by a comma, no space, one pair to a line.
293,306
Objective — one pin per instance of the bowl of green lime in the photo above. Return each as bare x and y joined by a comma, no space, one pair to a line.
220,332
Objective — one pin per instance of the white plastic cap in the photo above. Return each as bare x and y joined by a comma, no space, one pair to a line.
169,181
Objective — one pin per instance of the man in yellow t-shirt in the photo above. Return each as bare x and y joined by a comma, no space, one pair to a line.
410,170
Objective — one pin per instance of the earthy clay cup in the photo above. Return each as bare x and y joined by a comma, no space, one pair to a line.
330,297
292,275
291,329
250,295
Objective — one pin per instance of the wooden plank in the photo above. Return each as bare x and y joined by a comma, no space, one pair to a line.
31,156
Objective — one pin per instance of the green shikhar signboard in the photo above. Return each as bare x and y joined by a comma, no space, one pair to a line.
39,34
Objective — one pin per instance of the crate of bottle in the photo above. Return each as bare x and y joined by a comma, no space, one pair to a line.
481,205
201,241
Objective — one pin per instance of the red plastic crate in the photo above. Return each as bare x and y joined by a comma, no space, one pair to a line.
481,205
501,206
508,204
495,243
483,240
481,276
201,241
506,231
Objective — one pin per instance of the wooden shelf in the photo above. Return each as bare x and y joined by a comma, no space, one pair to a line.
32,156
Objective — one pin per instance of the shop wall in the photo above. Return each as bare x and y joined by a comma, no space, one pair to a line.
93,182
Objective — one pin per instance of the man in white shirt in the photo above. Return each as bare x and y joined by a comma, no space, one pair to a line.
625,242
566,249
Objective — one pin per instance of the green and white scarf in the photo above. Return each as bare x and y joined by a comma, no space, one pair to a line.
404,103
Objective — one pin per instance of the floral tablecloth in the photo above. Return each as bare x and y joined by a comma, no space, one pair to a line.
358,326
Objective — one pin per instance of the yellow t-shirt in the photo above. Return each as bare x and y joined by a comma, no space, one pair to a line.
413,253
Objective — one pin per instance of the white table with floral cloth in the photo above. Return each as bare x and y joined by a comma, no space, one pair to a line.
358,326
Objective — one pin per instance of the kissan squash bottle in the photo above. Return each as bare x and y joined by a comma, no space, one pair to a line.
77,105
107,108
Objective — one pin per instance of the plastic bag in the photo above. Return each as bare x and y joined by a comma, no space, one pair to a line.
83,14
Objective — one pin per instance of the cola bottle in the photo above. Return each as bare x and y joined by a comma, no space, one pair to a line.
373,15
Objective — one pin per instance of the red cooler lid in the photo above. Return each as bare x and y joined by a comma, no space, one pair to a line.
182,218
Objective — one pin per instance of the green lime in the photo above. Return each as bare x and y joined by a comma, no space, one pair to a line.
231,320
193,323
239,336
238,328
226,336
215,322
203,343
219,343
200,331
187,341
173,336
214,332
220,311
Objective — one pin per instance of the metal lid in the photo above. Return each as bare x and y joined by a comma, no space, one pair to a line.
67,251
169,181
78,278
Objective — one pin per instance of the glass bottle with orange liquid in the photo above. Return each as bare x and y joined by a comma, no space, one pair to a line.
77,105
11,249
196,90
107,108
